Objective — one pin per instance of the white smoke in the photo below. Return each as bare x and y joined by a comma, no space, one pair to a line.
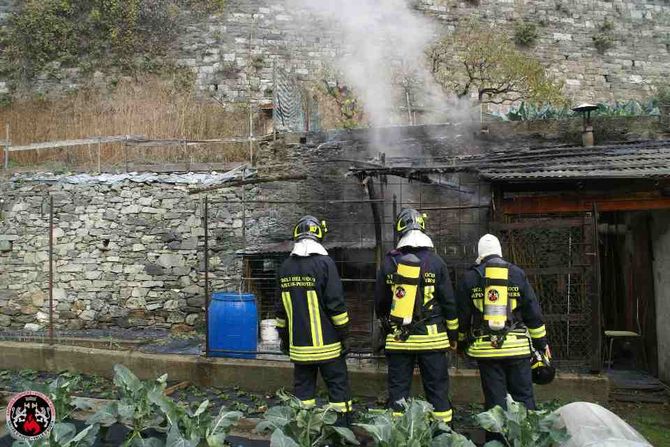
384,45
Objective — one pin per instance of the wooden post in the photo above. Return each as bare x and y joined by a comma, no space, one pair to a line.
596,311
377,216
6,146
206,228
99,150
51,269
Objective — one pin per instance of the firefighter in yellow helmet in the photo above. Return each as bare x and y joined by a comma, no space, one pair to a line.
415,302
501,326
312,318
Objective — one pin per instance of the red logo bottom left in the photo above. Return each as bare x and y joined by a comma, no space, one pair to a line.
30,415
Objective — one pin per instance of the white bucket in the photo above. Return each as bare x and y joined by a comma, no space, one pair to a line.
269,331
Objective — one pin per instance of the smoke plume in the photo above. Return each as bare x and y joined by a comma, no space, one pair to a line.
383,53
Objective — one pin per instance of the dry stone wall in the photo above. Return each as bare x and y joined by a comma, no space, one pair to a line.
126,254
233,54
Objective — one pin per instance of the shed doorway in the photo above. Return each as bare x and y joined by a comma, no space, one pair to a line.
627,289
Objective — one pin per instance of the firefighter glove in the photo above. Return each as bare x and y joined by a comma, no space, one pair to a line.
540,344
386,326
343,333
283,340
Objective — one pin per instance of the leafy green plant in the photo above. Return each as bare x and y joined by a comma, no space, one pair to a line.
240,406
65,435
348,105
604,39
663,99
189,428
134,409
520,427
416,428
136,34
525,34
60,392
294,425
532,112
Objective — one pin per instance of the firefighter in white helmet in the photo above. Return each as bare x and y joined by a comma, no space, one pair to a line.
501,326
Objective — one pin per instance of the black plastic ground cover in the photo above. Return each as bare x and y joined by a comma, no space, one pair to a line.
116,434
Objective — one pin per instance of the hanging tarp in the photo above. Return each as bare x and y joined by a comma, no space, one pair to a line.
288,113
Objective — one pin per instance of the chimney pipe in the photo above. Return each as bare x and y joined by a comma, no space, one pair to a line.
587,126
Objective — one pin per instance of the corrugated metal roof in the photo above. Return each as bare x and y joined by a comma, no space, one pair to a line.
634,160
645,159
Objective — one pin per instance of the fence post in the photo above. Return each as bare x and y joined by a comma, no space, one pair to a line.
99,149
6,146
206,228
51,269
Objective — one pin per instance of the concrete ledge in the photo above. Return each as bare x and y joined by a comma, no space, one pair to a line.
261,376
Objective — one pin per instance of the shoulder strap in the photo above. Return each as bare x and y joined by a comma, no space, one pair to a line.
421,306
393,254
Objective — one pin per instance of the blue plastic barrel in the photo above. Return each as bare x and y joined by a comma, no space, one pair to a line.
233,325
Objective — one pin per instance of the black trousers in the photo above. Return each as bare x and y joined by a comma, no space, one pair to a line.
335,375
434,368
503,376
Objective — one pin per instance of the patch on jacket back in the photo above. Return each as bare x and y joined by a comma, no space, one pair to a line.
287,282
477,293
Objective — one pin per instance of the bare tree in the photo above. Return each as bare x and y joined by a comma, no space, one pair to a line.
485,61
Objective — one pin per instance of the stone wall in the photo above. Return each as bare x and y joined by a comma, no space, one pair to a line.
233,54
126,254
129,249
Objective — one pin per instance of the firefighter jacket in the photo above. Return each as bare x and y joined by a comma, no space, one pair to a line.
524,317
312,308
435,318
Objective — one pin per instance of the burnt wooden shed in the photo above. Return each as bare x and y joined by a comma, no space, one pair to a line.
590,227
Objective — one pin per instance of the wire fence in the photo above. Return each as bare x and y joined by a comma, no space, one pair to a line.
249,227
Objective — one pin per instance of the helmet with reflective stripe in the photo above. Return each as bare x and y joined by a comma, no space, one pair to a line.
410,219
309,227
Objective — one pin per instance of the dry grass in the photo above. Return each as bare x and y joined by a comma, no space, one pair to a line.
150,107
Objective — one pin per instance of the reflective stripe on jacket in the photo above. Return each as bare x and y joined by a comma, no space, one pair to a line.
312,308
437,318
528,324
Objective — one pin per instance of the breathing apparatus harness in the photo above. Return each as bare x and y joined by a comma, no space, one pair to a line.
497,319
406,311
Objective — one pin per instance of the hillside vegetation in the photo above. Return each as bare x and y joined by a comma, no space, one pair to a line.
128,35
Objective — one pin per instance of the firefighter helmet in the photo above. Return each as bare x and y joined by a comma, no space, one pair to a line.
410,219
309,227
543,371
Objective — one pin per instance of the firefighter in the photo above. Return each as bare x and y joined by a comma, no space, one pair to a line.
312,318
501,325
415,303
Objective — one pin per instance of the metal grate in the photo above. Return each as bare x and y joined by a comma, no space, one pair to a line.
558,256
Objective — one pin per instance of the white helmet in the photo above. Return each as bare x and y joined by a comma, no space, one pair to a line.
488,245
